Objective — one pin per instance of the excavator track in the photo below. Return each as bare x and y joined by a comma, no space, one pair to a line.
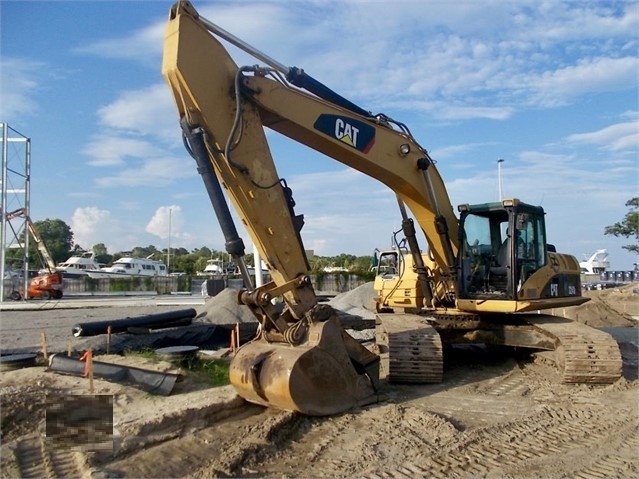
582,354
410,349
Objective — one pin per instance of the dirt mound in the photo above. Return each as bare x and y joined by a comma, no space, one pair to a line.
609,307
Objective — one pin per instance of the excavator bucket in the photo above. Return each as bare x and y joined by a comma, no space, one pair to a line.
326,375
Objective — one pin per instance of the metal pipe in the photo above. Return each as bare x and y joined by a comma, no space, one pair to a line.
229,37
499,162
166,319
153,382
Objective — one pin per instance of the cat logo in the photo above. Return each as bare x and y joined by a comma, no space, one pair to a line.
354,133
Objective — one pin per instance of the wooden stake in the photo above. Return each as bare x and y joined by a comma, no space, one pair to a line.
44,345
84,357
108,339
237,334
232,347
90,367
69,349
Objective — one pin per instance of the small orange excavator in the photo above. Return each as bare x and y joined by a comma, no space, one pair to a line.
46,285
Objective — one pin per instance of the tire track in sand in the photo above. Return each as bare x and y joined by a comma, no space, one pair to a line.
541,445
36,460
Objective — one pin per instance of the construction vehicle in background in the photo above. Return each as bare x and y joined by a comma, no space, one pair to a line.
485,278
48,284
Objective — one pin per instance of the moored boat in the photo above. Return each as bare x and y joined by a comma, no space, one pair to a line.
78,266
128,267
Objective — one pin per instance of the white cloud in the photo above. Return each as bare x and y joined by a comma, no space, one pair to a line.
139,129
342,208
92,225
144,45
581,20
591,75
621,136
168,223
109,150
471,112
148,111
18,86
465,61
152,172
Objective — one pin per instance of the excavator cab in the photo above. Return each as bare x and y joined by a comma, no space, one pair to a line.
503,254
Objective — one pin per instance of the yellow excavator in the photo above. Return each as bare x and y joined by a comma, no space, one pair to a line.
485,278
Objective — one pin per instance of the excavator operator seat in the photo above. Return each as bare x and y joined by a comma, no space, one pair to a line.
499,272
503,255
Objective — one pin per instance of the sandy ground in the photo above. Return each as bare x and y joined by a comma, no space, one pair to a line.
496,414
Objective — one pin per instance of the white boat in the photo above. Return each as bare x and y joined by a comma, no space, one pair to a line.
595,264
216,267
213,266
127,267
78,266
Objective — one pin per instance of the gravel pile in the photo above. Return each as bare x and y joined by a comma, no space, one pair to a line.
351,307
223,308
357,302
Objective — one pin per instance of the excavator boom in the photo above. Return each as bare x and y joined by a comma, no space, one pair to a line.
325,372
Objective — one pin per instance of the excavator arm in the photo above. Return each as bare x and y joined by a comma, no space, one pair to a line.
230,105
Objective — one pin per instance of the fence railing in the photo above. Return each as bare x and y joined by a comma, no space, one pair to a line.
332,283
150,284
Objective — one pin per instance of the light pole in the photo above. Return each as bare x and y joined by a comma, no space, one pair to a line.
168,256
499,162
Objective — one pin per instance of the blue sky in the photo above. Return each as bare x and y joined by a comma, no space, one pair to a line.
550,87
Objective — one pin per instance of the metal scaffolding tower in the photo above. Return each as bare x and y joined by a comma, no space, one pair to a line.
15,192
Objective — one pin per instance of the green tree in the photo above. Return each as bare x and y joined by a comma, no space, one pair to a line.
200,263
627,227
185,263
203,251
101,254
56,236
361,264
318,263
